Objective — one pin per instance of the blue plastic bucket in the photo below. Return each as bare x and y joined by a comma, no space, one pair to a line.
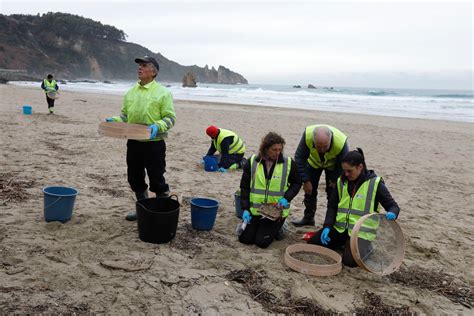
238,207
58,203
203,213
27,110
211,163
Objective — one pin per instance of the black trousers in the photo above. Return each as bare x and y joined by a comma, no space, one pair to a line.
149,156
342,240
310,200
50,102
261,231
231,159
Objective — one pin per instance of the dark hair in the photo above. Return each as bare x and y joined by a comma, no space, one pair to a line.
50,76
355,158
268,141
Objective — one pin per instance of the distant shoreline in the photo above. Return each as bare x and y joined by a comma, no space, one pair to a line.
216,104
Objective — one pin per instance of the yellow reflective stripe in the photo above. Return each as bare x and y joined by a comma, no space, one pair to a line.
355,212
351,227
284,175
253,171
370,193
235,143
263,192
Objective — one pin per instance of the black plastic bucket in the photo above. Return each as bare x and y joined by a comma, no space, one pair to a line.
157,219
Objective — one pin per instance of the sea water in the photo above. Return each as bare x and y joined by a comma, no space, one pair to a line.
452,105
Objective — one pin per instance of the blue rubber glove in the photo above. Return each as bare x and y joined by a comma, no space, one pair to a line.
282,203
246,216
390,216
325,236
109,119
222,169
154,130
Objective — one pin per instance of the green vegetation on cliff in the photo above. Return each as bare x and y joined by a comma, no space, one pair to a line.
74,47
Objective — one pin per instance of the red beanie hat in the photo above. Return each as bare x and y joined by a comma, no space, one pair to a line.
212,131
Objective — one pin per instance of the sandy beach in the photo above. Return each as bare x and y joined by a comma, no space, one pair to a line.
96,263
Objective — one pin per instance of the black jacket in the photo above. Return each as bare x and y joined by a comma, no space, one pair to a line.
294,181
382,196
302,155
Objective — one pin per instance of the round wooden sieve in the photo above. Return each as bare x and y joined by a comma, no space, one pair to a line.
400,247
311,268
124,130
53,95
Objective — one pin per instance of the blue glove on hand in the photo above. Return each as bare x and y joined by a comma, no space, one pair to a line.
282,203
154,130
222,169
109,119
390,216
325,236
246,216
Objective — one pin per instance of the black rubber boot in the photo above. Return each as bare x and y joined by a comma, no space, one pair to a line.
141,195
310,210
163,195
132,216
305,221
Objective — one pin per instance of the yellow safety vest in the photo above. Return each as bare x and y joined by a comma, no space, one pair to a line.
338,141
350,209
237,146
263,191
149,104
50,86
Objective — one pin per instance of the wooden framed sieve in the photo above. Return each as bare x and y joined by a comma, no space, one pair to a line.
53,94
311,268
124,130
382,255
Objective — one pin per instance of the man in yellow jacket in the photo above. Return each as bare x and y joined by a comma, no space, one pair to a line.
321,148
230,146
148,103
49,85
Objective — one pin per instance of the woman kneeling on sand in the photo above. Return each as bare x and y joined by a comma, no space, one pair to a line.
268,178
348,202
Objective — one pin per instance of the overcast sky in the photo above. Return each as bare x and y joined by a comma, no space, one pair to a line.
376,44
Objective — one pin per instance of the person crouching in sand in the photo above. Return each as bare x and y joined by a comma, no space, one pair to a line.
358,192
267,178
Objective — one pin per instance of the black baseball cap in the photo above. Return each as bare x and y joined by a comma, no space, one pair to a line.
148,59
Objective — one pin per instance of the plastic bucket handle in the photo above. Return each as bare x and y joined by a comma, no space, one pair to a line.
171,195
57,200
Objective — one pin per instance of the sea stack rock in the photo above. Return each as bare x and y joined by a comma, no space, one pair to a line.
189,80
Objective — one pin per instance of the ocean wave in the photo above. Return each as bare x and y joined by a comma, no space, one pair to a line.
380,93
376,101
455,96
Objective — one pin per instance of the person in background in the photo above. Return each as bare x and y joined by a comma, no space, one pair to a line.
149,103
267,178
229,145
48,85
358,192
321,148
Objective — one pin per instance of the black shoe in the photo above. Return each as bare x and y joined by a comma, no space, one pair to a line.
132,216
165,194
141,195
305,221
280,235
